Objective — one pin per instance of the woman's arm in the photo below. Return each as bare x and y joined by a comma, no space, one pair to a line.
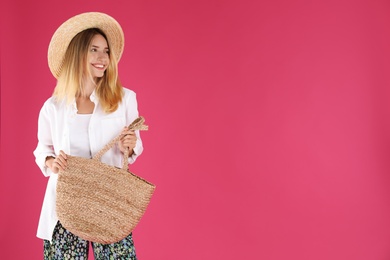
44,147
131,115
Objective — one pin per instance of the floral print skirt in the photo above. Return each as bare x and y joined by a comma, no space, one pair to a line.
65,245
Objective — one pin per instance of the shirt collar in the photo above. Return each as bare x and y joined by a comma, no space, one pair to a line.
93,97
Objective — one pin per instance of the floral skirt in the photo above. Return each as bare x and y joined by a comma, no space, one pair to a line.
65,245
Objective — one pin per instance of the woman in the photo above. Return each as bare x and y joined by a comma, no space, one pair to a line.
89,107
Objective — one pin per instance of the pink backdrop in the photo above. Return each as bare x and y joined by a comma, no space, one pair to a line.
269,125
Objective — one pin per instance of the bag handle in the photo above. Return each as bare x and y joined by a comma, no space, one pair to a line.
137,124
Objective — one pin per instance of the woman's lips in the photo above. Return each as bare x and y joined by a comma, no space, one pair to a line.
99,66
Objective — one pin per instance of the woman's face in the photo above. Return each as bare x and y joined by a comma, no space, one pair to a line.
98,56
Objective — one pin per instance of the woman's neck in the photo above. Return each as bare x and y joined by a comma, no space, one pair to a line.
84,103
88,87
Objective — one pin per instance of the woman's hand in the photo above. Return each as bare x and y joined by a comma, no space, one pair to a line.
127,141
58,163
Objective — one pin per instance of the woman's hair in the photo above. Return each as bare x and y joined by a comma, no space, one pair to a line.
74,70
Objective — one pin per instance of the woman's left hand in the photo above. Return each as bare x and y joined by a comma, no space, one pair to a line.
128,140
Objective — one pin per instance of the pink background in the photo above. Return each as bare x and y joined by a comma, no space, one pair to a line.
269,125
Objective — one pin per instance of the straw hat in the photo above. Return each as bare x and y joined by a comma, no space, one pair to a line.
65,33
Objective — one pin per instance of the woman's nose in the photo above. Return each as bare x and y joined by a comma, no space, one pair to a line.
102,56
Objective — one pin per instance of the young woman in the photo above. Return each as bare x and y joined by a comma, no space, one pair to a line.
89,107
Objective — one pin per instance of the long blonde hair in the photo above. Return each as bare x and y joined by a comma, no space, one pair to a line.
74,69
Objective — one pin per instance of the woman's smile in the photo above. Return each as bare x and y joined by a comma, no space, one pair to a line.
99,66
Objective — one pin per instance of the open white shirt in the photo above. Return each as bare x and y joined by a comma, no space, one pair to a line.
54,129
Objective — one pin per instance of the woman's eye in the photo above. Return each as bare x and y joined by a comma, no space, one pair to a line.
93,49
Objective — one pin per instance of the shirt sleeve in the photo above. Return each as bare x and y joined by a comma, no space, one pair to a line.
45,141
132,114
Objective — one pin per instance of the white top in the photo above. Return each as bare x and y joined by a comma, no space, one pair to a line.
79,137
54,131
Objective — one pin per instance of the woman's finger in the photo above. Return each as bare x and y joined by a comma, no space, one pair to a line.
58,164
61,160
130,143
129,138
126,132
63,154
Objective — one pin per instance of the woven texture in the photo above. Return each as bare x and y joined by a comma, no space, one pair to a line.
99,202
64,34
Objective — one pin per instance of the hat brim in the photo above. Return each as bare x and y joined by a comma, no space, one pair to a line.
65,33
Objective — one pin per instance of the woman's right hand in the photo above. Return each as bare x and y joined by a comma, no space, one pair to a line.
57,163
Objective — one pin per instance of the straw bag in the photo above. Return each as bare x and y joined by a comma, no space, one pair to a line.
99,202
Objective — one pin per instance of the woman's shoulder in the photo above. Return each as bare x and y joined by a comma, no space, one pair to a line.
52,103
128,93
129,100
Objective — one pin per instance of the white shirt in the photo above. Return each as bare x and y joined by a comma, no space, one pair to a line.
55,119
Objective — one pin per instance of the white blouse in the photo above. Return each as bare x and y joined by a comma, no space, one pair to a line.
55,134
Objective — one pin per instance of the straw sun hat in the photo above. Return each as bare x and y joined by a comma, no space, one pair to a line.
65,33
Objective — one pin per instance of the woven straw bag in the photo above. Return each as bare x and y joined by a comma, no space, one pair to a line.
99,202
